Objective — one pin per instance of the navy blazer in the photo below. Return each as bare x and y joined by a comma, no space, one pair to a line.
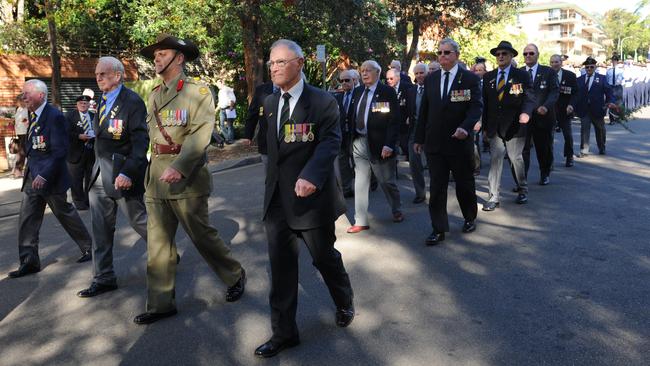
132,144
439,119
502,117
344,118
75,128
383,126
316,111
255,116
594,101
49,159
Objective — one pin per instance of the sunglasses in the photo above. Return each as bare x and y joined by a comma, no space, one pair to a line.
529,53
499,54
590,67
445,52
345,80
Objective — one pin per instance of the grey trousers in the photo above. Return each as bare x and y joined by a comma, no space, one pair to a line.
32,209
498,148
416,167
385,171
103,212
585,131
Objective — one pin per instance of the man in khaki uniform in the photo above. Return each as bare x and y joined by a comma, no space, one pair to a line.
178,183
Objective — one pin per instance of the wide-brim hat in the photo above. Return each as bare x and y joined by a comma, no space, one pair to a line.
168,42
504,45
590,61
83,98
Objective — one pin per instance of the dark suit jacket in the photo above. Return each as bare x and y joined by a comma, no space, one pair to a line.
411,102
568,88
131,144
256,115
593,101
546,91
502,117
402,92
75,129
346,136
405,78
48,161
312,161
383,127
439,119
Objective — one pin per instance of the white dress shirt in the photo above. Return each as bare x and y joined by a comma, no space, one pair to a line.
452,75
296,92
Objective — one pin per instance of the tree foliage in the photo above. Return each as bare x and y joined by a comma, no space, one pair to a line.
628,28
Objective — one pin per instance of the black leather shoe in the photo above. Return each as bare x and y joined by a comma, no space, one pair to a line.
271,348
569,163
418,200
236,291
23,270
96,289
601,152
148,318
435,238
344,316
85,257
348,194
469,226
522,198
490,206
178,258
544,181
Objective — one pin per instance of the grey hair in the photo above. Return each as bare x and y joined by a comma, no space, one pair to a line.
420,66
534,45
435,64
38,85
452,43
396,73
355,74
396,64
556,56
373,65
116,65
291,45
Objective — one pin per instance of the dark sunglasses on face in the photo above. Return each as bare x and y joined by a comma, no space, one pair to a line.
499,54
529,53
590,67
445,52
345,80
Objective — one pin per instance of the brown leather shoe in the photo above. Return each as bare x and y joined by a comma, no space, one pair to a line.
357,229
398,217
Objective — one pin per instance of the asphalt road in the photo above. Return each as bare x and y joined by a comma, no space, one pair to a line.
563,280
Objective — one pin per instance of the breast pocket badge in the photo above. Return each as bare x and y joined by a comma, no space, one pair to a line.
380,107
516,89
116,127
464,95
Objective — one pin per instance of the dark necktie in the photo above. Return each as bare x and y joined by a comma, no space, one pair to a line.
84,122
284,114
445,88
361,112
420,88
32,123
501,87
346,102
614,76
532,77
587,83
102,110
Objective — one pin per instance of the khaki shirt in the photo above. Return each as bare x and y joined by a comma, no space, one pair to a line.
186,110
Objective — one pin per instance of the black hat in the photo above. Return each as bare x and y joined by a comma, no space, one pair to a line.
83,98
504,45
167,42
590,61
615,58
479,60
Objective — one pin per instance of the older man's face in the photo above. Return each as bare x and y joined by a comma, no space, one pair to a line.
556,63
420,74
285,67
82,106
392,78
369,75
504,58
107,78
530,55
433,67
346,80
447,57
32,97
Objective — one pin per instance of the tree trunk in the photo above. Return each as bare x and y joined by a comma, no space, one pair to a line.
54,54
401,32
250,16
406,63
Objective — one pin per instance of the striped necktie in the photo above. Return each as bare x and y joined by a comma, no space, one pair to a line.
501,87
102,110
32,123
84,122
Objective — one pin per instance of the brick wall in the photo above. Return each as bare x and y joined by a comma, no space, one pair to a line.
15,69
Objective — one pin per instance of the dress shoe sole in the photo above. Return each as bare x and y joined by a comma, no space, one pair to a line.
149,318
19,273
431,243
284,346
490,209
86,294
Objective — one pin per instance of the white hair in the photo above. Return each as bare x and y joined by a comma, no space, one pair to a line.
372,64
420,66
355,74
396,64
291,45
452,43
38,85
116,65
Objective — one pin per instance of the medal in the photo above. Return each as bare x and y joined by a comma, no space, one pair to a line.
287,135
303,132
310,136
287,138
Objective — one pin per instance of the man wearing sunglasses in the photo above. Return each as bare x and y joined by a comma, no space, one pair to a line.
344,99
540,128
451,106
508,103
590,103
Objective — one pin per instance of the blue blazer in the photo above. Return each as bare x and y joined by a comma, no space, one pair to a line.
592,102
46,150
